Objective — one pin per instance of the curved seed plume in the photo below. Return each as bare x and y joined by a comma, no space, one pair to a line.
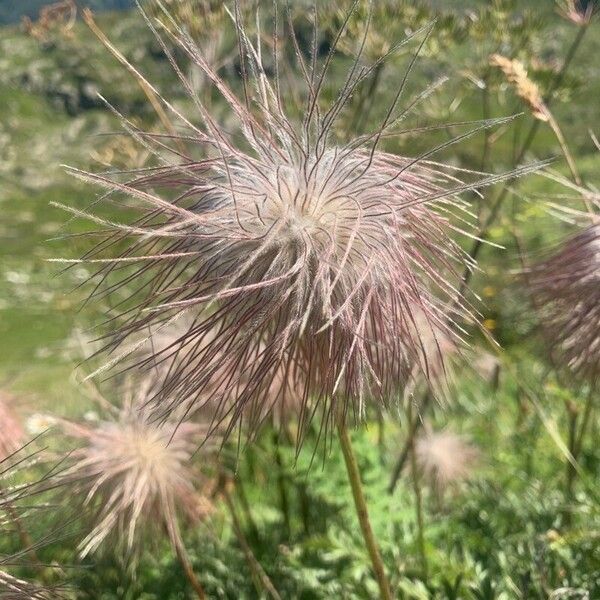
287,250
445,458
280,405
565,288
134,475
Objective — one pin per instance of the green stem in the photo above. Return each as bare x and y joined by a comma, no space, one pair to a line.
362,511
403,456
261,580
283,496
418,507
241,494
565,149
587,413
183,558
571,470
304,507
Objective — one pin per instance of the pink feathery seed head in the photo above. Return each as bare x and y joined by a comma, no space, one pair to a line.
566,291
288,252
445,458
135,475
579,12
280,404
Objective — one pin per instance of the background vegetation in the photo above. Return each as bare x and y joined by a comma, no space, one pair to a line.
520,525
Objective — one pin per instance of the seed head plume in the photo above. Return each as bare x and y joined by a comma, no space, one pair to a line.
134,474
445,458
290,249
440,350
276,406
565,288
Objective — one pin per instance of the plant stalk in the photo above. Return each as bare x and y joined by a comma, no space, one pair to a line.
241,495
362,511
403,456
283,495
418,502
587,414
571,473
261,580
184,560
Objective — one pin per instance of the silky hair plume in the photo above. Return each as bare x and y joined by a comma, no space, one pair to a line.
445,458
132,475
565,290
290,251
564,285
280,409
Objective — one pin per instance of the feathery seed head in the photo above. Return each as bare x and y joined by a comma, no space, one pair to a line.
163,352
564,286
288,250
565,289
135,474
445,458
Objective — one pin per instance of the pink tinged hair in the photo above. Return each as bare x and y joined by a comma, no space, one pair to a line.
294,255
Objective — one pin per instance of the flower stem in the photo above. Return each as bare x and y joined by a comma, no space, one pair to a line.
414,427
362,511
571,465
261,580
283,495
184,560
418,499
587,413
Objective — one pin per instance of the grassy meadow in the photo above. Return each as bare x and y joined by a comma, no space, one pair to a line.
511,508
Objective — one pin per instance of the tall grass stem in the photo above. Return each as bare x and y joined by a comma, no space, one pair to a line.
362,511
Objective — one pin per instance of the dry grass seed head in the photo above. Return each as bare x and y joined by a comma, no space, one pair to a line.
525,88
